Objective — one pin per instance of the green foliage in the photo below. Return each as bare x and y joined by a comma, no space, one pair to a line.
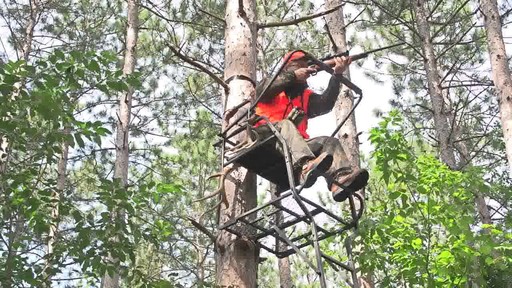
420,228
37,112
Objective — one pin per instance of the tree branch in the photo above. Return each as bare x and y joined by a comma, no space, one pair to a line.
198,66
201,102
355,18
159,15
209,14
202,229
299,20
334,46
441,29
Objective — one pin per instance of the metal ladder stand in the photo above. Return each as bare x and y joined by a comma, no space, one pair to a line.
282,218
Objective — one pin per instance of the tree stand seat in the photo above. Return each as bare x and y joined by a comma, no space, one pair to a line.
263,159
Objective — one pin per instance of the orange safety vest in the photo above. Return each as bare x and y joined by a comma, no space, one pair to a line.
277,109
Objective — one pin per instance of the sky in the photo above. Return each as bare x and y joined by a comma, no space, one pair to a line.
375,96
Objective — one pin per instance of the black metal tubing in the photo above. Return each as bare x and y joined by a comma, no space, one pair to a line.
339,263
318,270
282,208
325,211
308,243
232,222
287,224
348,115
299,201
348,246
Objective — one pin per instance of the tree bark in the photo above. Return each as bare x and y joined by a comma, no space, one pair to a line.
54,213
122,130
237,257
446,134
17,221
26,48
283,264
348,132
500,70
441,112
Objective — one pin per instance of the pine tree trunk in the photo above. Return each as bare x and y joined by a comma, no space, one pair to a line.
348,132
125,105
446,133
237,258
441,113
26,48
283,264
500,70
54,213
17,221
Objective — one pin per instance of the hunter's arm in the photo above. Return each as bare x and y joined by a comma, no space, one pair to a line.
320,104
283,81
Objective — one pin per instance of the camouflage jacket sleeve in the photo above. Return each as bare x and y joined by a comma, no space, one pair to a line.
281,83
320,104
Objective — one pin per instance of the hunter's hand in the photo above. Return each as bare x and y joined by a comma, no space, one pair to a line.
302,74
341,64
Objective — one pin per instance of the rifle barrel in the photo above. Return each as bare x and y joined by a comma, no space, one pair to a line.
360,55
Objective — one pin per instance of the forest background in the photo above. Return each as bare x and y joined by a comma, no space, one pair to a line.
109,111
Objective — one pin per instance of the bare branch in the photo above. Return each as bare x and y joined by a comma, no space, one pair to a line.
441,29
355,18
201,102
159,15
489,84
202,229
199,66
209,14
299,20
334,46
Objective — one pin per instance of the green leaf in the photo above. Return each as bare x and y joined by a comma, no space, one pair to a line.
168,188
416,243
93,66
59,54
79,141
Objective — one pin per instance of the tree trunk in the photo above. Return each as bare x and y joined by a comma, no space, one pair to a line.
348,132
54,213
283,264
237,258
446,133
500,70
17,221
125,105
441,113
26,48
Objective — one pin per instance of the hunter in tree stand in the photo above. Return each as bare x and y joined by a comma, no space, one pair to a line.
289,103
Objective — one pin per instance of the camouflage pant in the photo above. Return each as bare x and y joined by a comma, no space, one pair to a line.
302,149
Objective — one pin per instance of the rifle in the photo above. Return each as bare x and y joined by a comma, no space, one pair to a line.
329,60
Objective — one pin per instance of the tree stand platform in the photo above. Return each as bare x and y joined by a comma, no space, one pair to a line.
290,222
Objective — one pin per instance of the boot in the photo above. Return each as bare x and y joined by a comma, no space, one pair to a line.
346,183
314,168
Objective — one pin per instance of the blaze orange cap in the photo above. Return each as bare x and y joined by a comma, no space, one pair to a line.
295,55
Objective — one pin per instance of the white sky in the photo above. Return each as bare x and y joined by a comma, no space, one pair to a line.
375,96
